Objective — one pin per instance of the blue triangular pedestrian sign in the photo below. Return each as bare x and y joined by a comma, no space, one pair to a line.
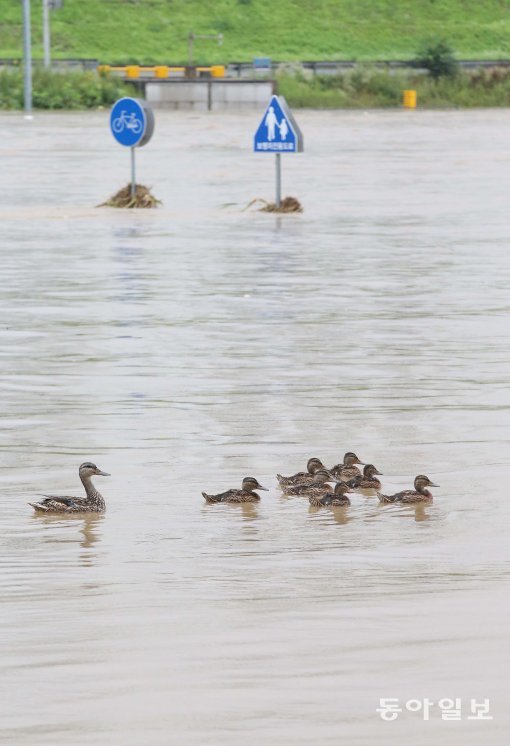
278,131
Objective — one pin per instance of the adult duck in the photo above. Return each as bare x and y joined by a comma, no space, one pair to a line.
302,477
338,498
93,502
246,494
318,485
367,480
347,469
420,493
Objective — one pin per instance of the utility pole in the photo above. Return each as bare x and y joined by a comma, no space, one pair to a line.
46,32
192,37
27,59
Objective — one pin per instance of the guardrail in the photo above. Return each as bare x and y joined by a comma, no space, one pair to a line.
258,68
137,72
329,67
60,64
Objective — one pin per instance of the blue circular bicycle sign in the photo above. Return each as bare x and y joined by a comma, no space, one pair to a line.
131,122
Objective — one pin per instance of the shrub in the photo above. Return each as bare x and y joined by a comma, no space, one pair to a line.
438,58
61,90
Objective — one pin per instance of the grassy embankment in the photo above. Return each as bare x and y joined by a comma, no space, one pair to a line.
156,31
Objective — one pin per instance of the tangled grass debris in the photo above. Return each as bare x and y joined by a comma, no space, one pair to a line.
287,204
143,198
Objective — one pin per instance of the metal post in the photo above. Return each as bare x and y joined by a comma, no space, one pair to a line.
46,32
191,36
27,58
278,180
133,176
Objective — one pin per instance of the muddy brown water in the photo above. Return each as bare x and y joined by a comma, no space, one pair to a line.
184,348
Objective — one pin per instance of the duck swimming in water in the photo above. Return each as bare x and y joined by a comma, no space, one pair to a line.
420,493
245,495
302,477
317,486
367,480
347,469
93,502
338,498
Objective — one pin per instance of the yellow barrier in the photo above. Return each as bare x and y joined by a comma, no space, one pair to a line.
161,71
409,100
132,71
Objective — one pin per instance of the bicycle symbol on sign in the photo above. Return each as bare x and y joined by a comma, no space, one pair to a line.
127,121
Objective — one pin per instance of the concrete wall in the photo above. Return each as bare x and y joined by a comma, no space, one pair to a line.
207,95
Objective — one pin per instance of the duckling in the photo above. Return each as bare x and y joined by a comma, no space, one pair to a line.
317,486
408,497
367,481
245,495
335,499
302,477
347,470
92,503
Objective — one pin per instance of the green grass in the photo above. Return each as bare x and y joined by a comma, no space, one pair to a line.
156,30
54,90
366,87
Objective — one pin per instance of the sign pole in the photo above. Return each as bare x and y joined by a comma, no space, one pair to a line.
278,133
46,33
278,180
132,125
133,177
27,58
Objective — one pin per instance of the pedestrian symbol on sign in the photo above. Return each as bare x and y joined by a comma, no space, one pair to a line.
270,122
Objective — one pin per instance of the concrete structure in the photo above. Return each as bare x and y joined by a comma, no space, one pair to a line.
206,94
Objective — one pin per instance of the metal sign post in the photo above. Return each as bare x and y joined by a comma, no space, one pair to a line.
278,180
47,7
192,37
46,33
132,125
27,58
133,174
278,133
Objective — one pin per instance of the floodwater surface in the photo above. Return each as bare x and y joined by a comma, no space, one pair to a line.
184,348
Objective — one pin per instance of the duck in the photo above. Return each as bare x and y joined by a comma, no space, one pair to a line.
317,486
334,499
367,480
302,477
420,493
246,494
347,469
93,502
